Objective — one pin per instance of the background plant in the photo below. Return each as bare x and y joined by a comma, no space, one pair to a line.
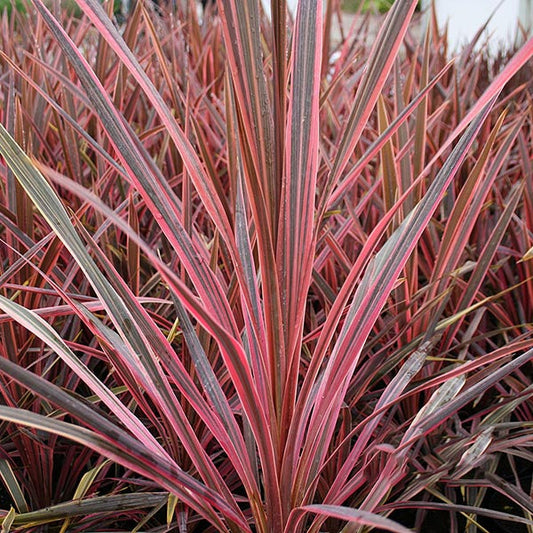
379,5
278,294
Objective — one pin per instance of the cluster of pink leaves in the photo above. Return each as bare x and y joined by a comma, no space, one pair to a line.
290,291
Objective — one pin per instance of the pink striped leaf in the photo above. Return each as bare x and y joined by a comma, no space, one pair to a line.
353,516
297,214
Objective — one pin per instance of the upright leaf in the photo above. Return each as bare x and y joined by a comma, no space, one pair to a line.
296,242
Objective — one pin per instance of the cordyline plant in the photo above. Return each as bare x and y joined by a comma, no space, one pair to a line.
262,282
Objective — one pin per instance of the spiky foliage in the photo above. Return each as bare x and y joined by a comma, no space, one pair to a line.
278,291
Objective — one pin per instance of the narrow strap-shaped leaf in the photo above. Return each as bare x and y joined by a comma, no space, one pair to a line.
419,155
279,90
388,165
242,34
93,505
13,486
405,167
353,516
132,250
255,322
259,322
255,319
297,214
